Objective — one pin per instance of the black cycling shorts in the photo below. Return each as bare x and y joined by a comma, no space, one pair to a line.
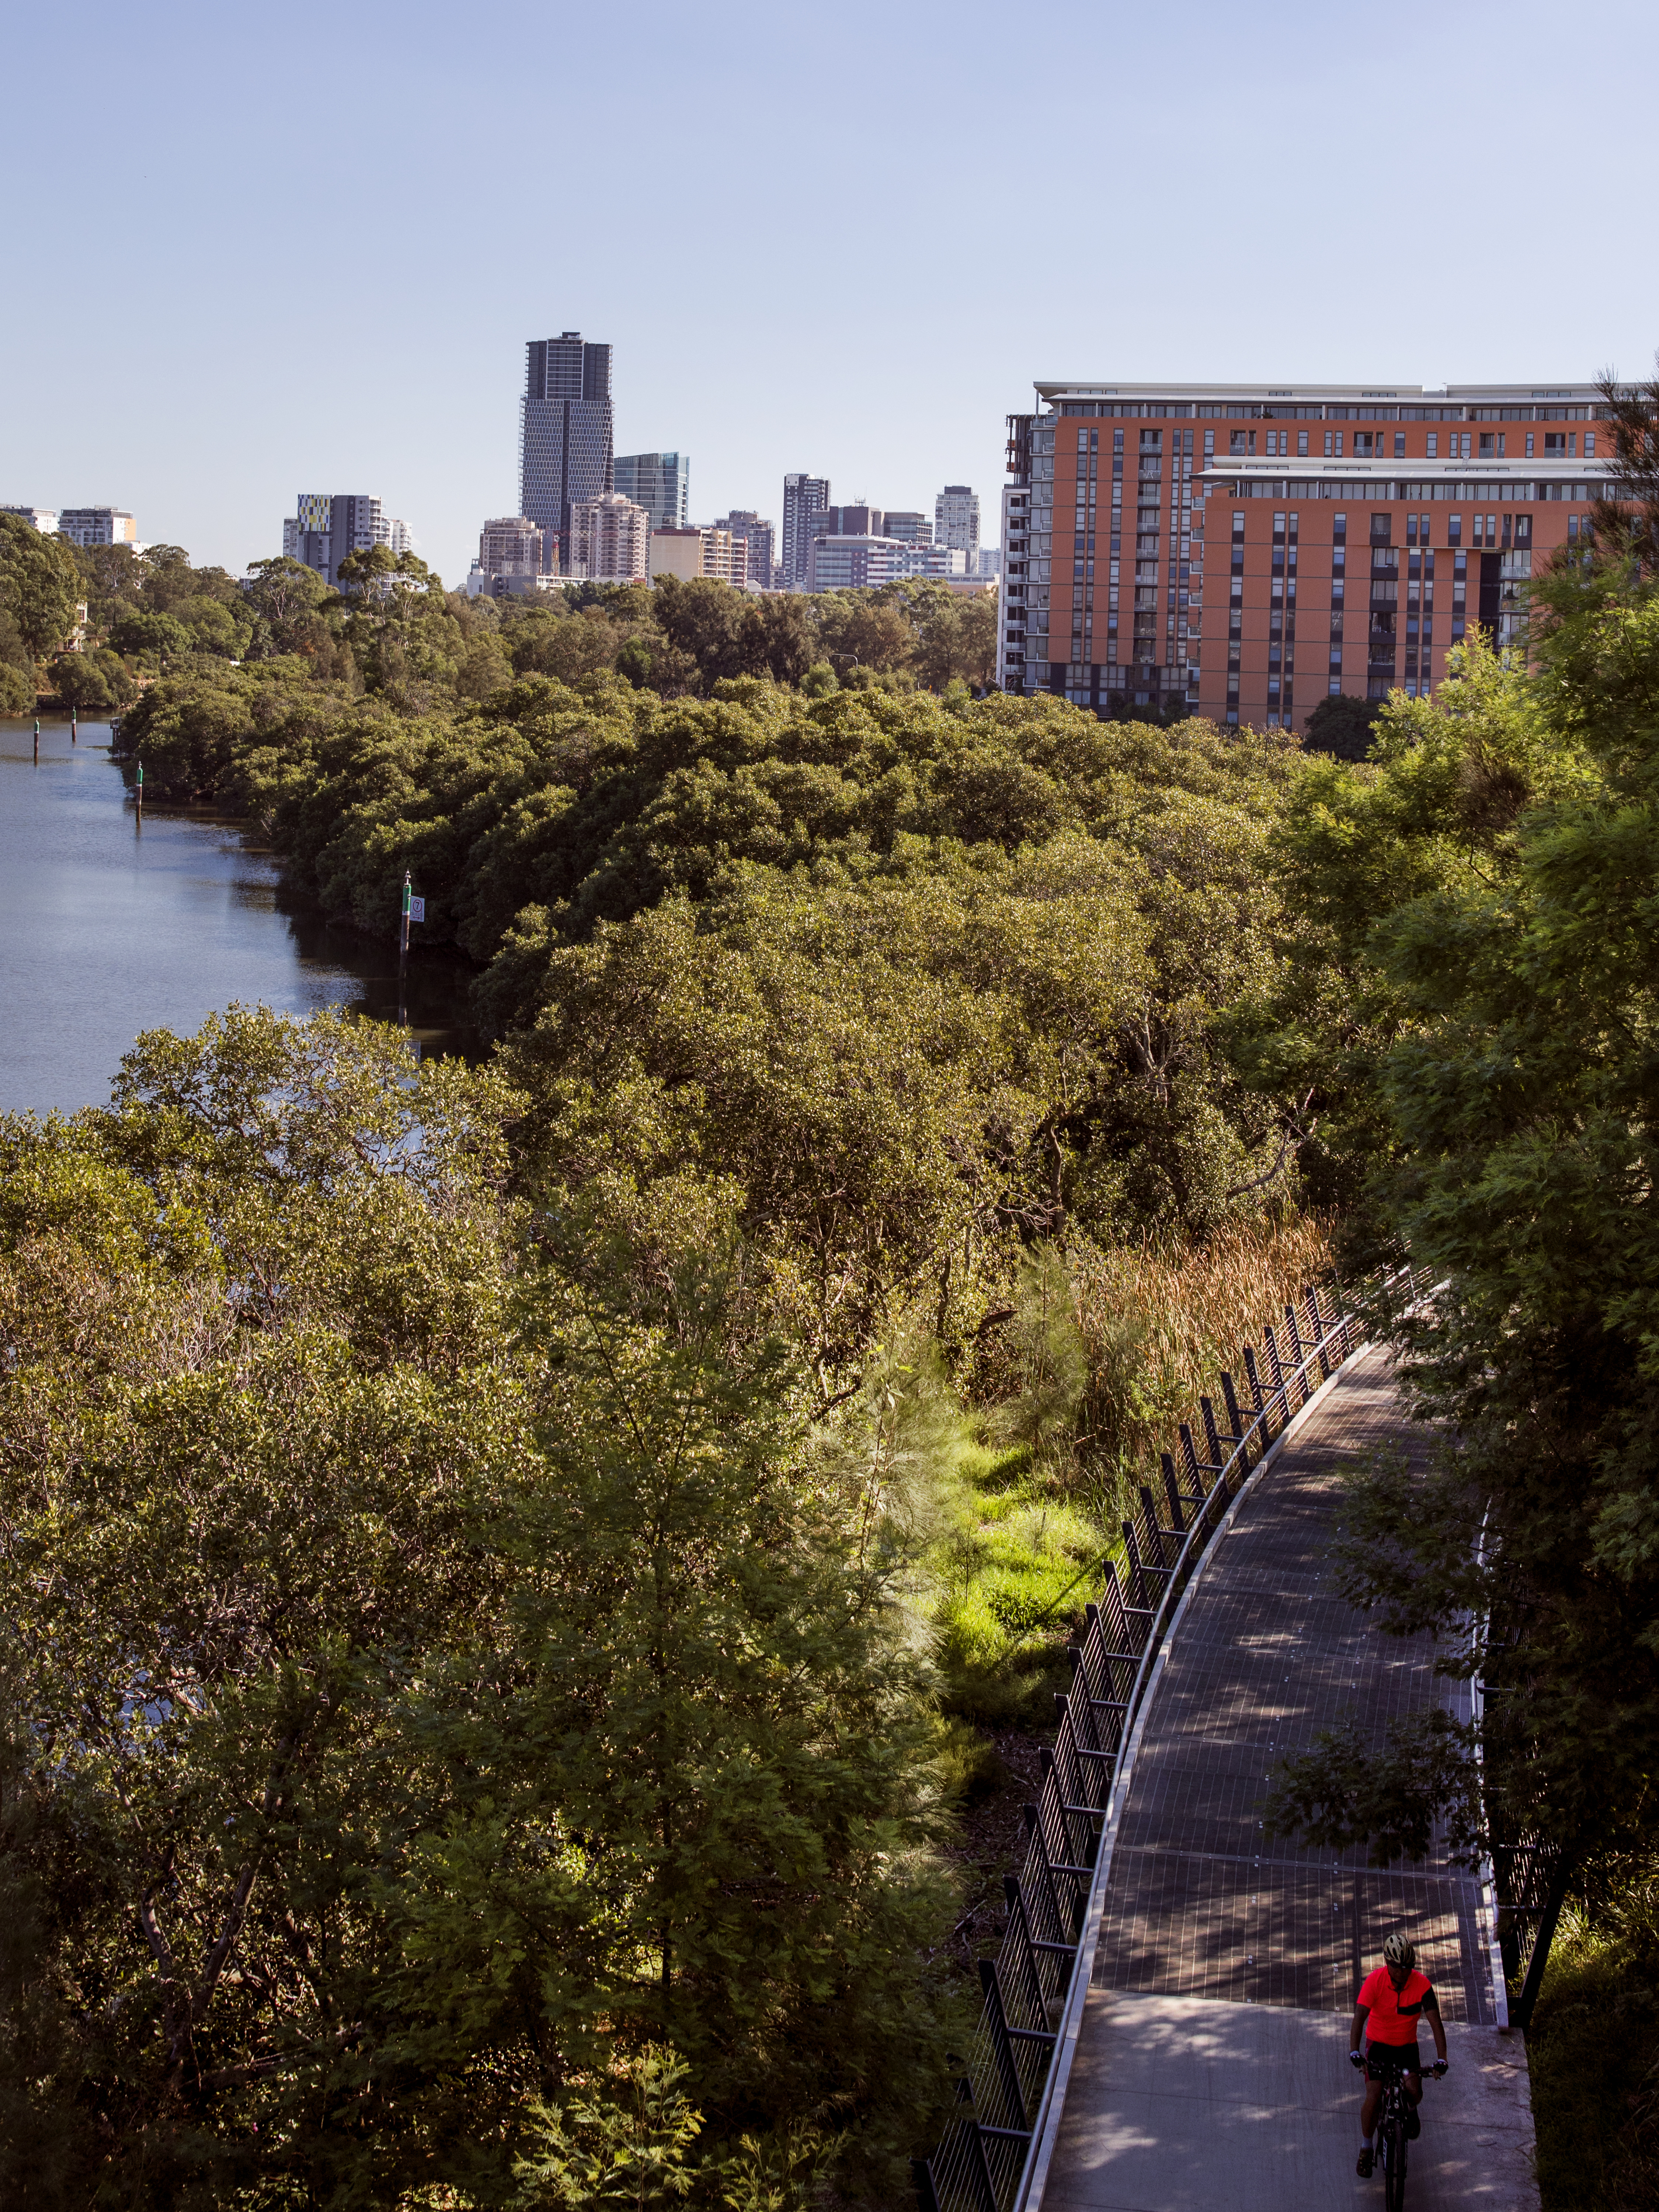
1387,2062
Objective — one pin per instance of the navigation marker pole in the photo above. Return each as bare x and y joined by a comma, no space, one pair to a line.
140,795
414,910
37,740
74,724
403,949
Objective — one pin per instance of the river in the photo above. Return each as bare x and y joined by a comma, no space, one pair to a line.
109,926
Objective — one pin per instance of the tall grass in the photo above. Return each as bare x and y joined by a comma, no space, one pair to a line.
1594,2050
1106,1351
1158,1323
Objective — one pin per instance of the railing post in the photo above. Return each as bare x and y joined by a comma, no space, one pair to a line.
1035,1831
1211,1436
1318,1319
1189,1453
1253,1379
1066,1710
1080,1666
1235,1418
1554,1898
983,2178
1174,1489
1275,1368
1116,1613
1140,1572
1015,1901
1001,2042
1291,1329
1154,1527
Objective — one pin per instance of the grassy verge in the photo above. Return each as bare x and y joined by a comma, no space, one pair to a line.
1594,2057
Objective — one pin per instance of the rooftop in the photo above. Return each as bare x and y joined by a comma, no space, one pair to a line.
1050,390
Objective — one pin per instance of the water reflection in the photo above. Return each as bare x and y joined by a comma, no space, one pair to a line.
109,926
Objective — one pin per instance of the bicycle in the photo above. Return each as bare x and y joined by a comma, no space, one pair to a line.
1391,2132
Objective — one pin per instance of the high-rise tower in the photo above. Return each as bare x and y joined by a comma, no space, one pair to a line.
803,498
568,435
956,520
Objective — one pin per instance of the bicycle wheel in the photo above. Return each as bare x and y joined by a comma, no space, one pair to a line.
1393,2164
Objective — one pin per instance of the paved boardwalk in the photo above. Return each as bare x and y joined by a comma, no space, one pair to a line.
1212,2068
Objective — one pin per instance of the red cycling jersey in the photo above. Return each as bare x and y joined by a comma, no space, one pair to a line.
1391,2013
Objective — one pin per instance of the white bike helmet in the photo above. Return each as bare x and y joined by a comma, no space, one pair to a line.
1398,1952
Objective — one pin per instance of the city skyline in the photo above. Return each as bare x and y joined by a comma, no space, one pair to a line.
222,404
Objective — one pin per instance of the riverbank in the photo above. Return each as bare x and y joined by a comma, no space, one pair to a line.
111,926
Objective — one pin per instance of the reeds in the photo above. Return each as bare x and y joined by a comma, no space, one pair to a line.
1111,1349
1158,1323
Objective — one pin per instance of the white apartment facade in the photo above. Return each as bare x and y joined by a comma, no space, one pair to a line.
611,539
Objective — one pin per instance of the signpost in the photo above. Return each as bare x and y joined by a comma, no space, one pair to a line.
414,910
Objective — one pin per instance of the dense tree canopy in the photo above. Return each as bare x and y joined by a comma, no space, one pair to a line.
429,1668
39,589
1480,949
897,983
392,632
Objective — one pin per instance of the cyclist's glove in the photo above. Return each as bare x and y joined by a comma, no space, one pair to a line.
1356,2058
1439,2068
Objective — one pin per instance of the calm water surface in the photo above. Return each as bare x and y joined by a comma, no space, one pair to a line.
108,928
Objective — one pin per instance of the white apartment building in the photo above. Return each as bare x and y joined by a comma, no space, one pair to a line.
611,539
956,521
513,545
97,526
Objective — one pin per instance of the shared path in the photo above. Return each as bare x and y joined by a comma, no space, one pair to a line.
1212,2070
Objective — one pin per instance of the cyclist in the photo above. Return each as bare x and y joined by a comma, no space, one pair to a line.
1393,1998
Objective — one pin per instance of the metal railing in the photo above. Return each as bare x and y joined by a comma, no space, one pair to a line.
983,2162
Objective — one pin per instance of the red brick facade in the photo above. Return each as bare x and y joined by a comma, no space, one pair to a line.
1242,554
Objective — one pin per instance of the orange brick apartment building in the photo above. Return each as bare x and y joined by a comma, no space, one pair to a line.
1244,550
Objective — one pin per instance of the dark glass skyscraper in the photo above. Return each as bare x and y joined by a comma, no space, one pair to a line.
568,435
659,483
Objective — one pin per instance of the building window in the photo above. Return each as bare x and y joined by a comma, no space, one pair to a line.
1399,445
1433,444
1453,528
1589,444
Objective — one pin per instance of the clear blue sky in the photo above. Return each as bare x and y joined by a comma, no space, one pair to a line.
256,250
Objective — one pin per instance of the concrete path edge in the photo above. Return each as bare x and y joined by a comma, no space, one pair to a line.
1035,2179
